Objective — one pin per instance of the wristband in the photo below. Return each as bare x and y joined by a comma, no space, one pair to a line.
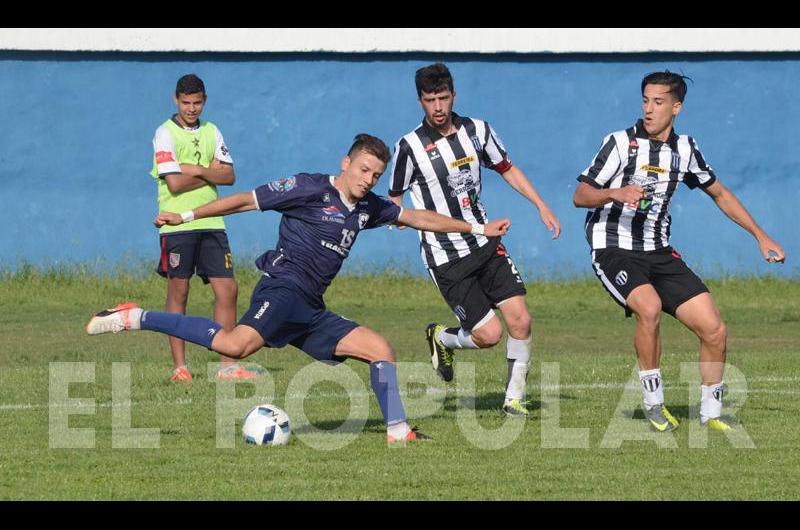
188,216
477,230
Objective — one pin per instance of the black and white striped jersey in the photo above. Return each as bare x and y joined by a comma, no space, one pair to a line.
444,175
629,157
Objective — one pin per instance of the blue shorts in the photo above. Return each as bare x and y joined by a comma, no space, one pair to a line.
283,315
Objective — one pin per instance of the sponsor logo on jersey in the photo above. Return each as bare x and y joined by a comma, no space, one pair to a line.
174,259
343,252
653,169
621,278
261,310
462,161
461,182
163,157
282,185
332,214
434,155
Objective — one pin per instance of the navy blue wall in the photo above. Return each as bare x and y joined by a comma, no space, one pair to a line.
77,128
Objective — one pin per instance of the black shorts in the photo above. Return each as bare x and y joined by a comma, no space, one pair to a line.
473,286
621,271
206,252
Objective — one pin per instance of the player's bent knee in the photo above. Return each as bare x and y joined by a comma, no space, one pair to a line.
488,335
649,314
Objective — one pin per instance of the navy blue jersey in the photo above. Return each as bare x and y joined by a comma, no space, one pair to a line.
317,229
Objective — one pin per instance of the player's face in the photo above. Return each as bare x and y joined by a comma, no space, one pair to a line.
659,108
437,107
361,173
190,106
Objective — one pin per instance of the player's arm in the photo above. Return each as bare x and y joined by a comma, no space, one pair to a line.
516,179
587,196
236,203
398,200
180,182
219,173
735,210
434,222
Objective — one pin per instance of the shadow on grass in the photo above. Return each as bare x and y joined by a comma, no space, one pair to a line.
345,426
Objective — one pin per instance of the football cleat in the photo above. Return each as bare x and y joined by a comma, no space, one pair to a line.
717,424
441,356
112,320
180,374
660,418
515,407
235,372
412,436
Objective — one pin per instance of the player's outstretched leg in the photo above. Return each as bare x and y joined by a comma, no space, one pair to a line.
367,345
237,344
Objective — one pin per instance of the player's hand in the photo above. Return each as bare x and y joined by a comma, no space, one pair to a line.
629,194
167,218
771,251
498,227
550,221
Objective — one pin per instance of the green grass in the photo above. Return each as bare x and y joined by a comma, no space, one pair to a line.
575,324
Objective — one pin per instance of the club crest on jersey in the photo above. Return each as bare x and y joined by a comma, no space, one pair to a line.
326,197
675,164
174,259
282,185
476,143
362,220
621,278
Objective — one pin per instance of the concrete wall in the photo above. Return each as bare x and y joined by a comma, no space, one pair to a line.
77,130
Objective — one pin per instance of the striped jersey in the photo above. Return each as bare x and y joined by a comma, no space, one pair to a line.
630,157
444,176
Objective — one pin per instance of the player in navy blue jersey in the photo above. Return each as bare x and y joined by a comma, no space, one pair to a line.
322,217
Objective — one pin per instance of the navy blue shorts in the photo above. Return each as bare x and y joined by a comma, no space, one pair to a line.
282,314
207,252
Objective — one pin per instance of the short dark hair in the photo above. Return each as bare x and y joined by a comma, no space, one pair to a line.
190,84
433,78
675,82
370,144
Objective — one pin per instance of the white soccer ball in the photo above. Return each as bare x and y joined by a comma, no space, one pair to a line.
266,425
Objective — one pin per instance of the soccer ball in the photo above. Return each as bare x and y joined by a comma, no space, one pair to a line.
266,425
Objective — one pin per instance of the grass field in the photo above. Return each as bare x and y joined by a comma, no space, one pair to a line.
575,325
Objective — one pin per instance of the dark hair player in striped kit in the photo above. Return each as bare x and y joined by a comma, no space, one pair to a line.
440,163
629,187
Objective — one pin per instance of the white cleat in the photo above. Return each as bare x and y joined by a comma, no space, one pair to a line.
115,320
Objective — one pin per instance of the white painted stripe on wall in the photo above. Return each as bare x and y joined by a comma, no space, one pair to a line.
360,40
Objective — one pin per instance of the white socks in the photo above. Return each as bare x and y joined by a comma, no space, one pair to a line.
710,401
398,430
457,339
519,359
652,387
